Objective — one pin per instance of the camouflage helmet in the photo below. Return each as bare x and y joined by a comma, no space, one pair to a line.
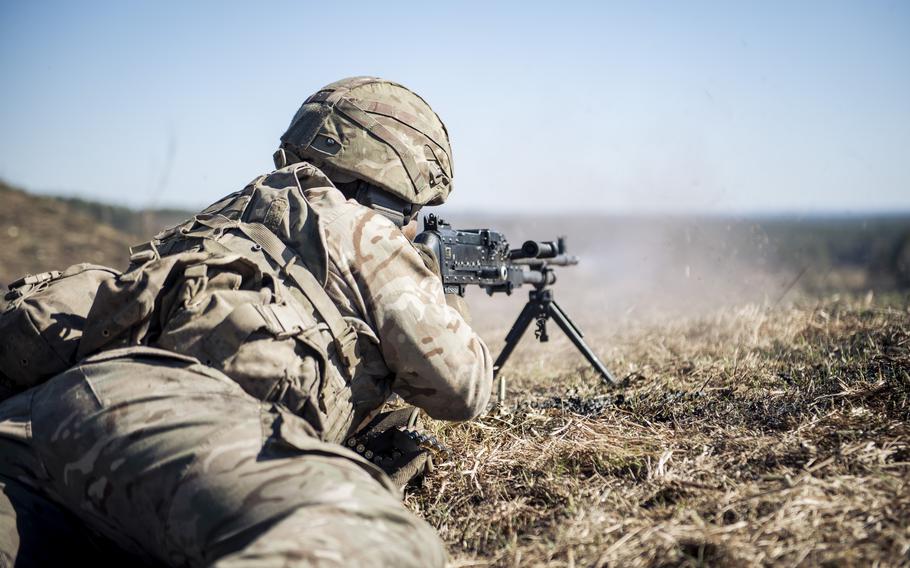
374,131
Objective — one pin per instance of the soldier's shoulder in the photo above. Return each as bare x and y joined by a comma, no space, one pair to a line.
360,235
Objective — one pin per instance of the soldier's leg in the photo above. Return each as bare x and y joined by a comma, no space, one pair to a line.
176,462
34,531
341,517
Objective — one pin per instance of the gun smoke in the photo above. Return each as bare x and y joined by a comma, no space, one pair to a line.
638,270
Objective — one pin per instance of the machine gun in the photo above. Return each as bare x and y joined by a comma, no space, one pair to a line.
482,257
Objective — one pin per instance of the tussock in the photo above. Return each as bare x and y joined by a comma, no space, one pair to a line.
753,437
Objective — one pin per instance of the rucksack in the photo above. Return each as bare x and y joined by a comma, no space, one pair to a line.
42,324
229,314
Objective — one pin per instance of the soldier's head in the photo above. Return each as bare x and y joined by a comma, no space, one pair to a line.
377,141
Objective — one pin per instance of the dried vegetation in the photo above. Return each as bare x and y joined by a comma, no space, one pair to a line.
755,436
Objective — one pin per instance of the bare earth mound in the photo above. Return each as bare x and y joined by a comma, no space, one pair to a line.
44,233
754,437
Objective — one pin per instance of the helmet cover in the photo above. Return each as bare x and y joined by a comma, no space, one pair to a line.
375,131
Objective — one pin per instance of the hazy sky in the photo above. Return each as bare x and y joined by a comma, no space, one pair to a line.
552,106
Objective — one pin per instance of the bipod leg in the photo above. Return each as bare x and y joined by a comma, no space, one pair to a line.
575,334
524,319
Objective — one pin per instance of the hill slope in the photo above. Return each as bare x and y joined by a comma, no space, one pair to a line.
45,233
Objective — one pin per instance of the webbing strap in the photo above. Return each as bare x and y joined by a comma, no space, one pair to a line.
343,334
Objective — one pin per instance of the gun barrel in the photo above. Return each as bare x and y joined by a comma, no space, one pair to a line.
536,278
558,260
563,260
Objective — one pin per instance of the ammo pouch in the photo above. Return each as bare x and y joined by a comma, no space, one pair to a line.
224,311
42,324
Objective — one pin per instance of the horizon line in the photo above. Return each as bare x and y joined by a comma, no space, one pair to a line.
764,213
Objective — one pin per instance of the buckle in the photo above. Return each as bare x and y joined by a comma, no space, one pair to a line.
282,320
145,252
345,347
32,279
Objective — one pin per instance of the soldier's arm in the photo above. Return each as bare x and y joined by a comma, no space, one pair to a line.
440,364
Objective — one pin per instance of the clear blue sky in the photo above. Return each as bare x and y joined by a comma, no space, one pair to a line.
554,106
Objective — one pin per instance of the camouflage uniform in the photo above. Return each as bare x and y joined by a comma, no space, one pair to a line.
236,461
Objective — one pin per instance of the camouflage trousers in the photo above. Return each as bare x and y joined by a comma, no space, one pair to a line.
174,464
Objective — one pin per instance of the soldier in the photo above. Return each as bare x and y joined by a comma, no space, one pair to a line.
223,372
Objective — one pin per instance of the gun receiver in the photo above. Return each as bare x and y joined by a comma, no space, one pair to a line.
482,257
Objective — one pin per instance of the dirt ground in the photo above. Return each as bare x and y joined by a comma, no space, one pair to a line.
754,436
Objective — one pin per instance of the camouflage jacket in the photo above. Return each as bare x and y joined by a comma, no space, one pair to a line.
406,339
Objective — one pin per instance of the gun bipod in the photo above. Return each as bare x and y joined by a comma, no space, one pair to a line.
541,307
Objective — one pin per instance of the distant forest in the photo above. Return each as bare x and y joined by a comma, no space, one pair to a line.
877,245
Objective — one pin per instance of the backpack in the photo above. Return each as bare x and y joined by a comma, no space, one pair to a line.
42,323
229,314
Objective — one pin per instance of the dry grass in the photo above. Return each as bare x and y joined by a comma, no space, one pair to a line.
752,437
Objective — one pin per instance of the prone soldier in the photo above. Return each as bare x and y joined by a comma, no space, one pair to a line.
221,374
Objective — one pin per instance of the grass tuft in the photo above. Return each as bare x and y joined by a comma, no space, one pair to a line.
752,437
